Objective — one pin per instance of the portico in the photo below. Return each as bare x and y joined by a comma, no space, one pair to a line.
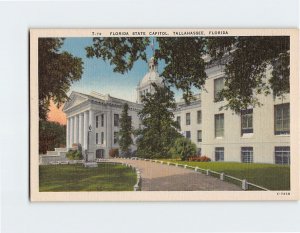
94,119
78,127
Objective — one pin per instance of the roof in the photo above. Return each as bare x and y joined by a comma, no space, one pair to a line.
96,97
152,76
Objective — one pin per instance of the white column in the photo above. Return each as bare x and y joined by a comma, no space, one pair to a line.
109,130
85,128
71,131
76,129
68,134
80,129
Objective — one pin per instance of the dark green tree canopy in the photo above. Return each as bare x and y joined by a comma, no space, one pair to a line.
185,66
159,130
249,59
246,60
57,70
125,132
51,135
121,52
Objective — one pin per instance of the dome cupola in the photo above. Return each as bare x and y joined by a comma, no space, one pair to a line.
145,85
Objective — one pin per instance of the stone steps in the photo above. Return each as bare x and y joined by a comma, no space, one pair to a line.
61,150
53,153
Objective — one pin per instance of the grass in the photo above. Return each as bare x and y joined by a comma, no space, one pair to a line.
105,177
270,176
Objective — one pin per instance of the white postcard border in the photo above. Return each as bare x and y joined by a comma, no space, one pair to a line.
293,194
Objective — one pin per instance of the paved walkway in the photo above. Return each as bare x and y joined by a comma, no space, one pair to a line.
161,177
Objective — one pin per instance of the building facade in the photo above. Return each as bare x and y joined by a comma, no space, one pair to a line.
93,122
259,135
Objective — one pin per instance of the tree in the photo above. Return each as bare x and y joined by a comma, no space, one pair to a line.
51,135
183,148
246,61
56,72
122,52
159,130
125,132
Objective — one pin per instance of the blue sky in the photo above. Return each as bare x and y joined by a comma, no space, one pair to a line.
99,76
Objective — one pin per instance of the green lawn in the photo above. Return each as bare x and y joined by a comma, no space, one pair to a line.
106,177
270,176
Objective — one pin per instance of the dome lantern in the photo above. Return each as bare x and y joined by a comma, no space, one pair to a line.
145,85
151,64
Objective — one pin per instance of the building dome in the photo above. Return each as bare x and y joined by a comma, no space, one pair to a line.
152,76
145,85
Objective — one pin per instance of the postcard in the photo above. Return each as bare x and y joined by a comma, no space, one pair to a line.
164,114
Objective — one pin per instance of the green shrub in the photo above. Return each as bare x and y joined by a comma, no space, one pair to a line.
74,155
183,148
114,152
202,158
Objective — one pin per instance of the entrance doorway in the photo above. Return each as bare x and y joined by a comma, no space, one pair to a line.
100,153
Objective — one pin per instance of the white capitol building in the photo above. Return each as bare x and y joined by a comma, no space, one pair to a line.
259,134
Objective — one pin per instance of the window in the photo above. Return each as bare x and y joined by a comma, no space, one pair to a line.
178,120
102,120
97,121
116,137
247,154
219,154
247,121
102,137
116,119
218,86
199,136
97,139
188,118
188,134
282,155
199,117
282,119
219,125
100,153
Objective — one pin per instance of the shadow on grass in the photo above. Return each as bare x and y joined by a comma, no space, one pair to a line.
105,177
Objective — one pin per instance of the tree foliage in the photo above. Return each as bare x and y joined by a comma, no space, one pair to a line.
250,58
246,61
183,148
56,72
51,135
184,64
159,130
121,52
125,132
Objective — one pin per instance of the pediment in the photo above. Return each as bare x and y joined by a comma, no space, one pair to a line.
74,100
